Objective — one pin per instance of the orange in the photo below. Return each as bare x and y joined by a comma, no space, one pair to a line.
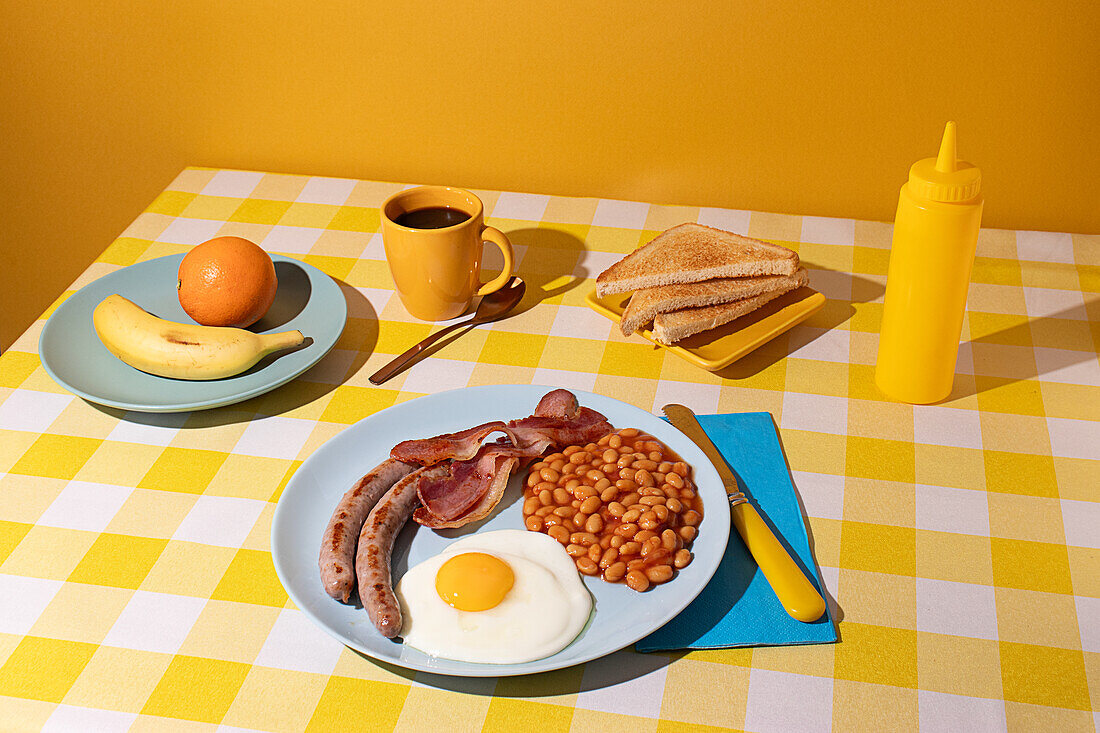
227,281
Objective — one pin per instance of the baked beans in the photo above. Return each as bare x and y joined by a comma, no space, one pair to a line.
624,508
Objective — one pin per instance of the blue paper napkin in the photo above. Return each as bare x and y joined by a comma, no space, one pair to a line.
738,607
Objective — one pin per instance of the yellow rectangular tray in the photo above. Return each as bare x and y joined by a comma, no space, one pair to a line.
720,347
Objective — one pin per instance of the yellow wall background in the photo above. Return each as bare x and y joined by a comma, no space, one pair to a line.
776,106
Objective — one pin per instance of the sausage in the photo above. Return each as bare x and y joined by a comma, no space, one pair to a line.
372,560
342,532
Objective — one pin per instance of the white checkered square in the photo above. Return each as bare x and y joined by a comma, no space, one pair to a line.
291,240
326,191
816,413
155,622
274,437
1074,438
22,601
584,381
372,302
943,509
1069,367
957,609
148,428
71,719
594,262
964,362
807,342
1050,303
1081,523
437,375
781,701
624,214
32,411
732,220
375,249
297,644
701,398
190,231
824,230
624,682
822,494
943,713
832,284
937,425
526,206
219,520
1044,247
1088,613
85,506
233,183
580,323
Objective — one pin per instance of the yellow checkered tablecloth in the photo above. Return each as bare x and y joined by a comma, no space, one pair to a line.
960,542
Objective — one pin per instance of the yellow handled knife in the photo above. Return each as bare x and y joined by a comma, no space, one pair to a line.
797,594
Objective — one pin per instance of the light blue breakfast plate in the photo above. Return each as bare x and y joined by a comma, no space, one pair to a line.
307,300
620,616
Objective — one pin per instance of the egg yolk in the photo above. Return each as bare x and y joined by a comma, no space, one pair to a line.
474,581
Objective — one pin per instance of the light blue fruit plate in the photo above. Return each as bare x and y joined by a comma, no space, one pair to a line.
307,300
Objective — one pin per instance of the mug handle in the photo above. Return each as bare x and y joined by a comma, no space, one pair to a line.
495,236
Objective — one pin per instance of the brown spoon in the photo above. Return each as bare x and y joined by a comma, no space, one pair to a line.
492,306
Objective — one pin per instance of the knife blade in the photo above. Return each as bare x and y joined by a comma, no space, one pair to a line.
795,592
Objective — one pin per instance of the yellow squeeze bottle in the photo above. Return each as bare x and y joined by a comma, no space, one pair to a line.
935,235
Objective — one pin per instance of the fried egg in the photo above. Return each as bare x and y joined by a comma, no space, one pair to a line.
503,597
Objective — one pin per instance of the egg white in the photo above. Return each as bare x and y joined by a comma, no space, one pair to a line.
545,610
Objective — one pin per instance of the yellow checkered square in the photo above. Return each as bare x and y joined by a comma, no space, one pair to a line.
196,689
118,560
122,464
996,271
251,579
512,349
26,673
945,465
816,377
815,452
342,701
427,708
891,708
56,456
506,714
1019,473
260,211
881,599
125,251
316,216
15,367
1042,675
1018,612
11,534
889,460
350,404
170,203
356,219
219,208
878,548
879,654
183,469
1000,394
81,612
1040,566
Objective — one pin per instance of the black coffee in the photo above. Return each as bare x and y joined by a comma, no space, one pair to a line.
435,217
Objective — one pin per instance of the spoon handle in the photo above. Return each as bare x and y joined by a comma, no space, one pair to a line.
400,362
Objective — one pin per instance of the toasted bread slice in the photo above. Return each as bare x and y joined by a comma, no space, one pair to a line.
645,304
692,253
671,327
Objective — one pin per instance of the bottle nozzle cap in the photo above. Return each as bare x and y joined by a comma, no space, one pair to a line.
945,178
945,162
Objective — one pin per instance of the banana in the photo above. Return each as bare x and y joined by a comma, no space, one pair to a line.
181,350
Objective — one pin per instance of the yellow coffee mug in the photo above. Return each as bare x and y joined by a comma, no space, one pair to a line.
433,236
